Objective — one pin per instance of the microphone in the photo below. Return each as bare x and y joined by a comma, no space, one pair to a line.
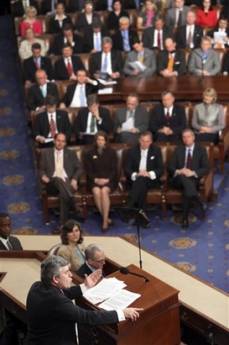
124,270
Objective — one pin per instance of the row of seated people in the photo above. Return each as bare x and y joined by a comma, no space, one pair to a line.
207,16
165,120
141,168
140,62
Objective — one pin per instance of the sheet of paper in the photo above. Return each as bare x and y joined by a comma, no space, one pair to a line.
106,90
120,301
137,65
107,82
48,140
107,288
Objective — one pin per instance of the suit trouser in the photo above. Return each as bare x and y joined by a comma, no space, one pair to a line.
63,188
138,192
189,185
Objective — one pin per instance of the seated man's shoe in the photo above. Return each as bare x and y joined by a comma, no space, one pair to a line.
143,219
185,223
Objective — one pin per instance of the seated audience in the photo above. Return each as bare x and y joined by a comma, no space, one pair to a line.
72,248
167,119
35,62
220,34
124,37
86,17
30,22
114,16
204,61
188,164
37,93
49,6
77,93
67,37
143,169
67,66
130,121
25,46
59,19
50,122
101,167
107,62
190,34
171,61
7,241
59,173
90,120
140,62
206,15
147,15
93,38
154,37
95,259
225,67
176,15
208,117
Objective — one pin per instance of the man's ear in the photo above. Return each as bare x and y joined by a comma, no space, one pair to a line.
55,280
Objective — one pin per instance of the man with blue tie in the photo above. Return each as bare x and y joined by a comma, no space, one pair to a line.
189,163
124,38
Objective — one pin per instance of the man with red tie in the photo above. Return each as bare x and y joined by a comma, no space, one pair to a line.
154,37
188,164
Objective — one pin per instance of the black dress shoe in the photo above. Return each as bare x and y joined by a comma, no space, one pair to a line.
143,219
184,223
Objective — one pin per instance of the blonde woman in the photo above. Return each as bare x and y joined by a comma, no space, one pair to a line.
31,22
146,17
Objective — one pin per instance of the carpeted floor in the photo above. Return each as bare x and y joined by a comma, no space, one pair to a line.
203,249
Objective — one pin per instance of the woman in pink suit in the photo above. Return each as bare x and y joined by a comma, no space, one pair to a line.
31,22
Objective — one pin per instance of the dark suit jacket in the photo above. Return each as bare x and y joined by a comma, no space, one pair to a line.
200,162
181,37
46,5
15,243
118,41
84,269
80,124
59,42
88,39
29,68
35,98
148,36
154,161
72,165
41,125
179,63
141,118
52,315
95,62
71,90
112,21
158,120
60,70
54,26
82,24
225,67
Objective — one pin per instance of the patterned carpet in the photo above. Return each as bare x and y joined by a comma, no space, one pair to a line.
203,249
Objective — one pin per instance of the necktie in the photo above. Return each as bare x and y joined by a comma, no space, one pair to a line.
81,96
126,43
105,63
141,57
43,91
189,159
37,63
9,245
69,68
189,40
93,124
167,115
52,126
97,42
170,63
159,40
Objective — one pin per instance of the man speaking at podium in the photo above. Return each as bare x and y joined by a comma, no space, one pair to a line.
52,316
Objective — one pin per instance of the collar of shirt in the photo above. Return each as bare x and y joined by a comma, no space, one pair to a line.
59,152
191,148
53,115
67,60
144,152
170,110
60,18
190,27
4,241
91,268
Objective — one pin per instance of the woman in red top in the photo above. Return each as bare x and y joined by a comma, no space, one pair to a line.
31,21
206,16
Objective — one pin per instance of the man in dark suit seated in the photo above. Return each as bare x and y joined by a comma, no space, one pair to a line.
167,119
90,120
59,172
67,66
154,37
37,93
93,37
108,62
171,61
130,121
143,169
52,316
67,37
35,62
50,122
188,164
190,34
7,241
77,93
124,37
220,34
95,259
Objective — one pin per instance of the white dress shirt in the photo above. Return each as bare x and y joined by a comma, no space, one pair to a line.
89,119
59,165
76,100
5,242
168,110
143,166
109,65
97,41
155,41
53,116
190,28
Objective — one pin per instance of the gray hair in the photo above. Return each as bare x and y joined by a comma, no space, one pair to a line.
107,39
91,250
188,130
50,268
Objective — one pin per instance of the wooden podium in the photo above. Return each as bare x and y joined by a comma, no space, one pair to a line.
159,323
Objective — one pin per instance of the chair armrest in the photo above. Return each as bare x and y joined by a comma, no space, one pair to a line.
207,185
